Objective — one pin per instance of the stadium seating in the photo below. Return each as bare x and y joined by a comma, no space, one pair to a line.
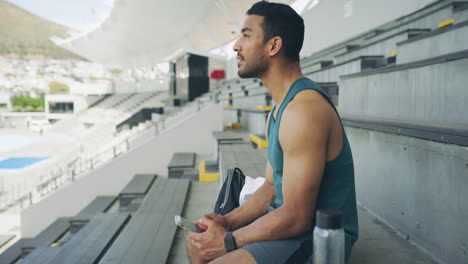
43,239
87,245
86,237
148,237
131,196
99,205
437,43
179,163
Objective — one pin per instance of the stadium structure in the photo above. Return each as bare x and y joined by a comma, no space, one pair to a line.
144,152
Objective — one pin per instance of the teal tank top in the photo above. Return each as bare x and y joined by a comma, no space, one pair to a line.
337,188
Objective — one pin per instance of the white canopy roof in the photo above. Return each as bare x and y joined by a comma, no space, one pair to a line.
145,32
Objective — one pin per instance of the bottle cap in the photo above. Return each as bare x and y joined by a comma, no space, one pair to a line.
329,219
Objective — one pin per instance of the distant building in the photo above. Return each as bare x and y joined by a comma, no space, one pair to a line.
5,100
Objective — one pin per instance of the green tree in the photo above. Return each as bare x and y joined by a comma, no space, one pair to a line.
28,104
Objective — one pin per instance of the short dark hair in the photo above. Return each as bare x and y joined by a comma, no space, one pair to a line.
281,20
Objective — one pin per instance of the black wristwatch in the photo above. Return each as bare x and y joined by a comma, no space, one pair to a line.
229,242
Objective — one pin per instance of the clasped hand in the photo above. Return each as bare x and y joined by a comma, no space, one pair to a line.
211,241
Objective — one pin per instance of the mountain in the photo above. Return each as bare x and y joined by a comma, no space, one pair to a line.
26,36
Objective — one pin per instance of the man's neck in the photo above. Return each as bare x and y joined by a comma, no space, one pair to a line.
279,79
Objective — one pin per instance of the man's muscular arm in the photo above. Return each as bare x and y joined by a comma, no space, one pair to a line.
303,136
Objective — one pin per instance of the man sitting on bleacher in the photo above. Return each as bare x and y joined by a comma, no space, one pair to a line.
309,158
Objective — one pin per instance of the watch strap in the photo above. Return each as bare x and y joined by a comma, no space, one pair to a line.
229,242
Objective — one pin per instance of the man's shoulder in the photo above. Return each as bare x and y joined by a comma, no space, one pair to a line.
304,122
308,106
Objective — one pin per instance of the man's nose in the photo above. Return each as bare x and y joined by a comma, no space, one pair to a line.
236,46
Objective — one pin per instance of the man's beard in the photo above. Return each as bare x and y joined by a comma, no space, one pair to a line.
255,69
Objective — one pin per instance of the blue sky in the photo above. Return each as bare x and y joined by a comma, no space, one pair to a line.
81,15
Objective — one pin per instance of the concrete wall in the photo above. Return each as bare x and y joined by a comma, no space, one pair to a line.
416,186
326,23
435,93
148,156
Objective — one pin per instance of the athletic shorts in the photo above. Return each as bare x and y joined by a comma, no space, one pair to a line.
293,250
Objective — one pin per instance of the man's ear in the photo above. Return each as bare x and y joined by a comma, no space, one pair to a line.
274,45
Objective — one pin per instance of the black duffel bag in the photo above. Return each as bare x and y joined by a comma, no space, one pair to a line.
228,198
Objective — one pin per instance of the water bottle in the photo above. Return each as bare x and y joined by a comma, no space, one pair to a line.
329,237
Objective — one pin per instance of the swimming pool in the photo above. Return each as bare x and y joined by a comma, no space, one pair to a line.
19,163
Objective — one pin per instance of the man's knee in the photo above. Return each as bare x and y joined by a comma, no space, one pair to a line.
238,256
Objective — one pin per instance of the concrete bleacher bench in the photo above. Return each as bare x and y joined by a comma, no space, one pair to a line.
332,90
14,252
148,236
87,245
382,46
426,17
137,188
152,223
179,163
4,239
413,104
241,155
238,81
457,135
48,236
251,118
331,73
192,174
41,255
251,100
232,90
317,65
436,43
99,205
227,137
322,60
